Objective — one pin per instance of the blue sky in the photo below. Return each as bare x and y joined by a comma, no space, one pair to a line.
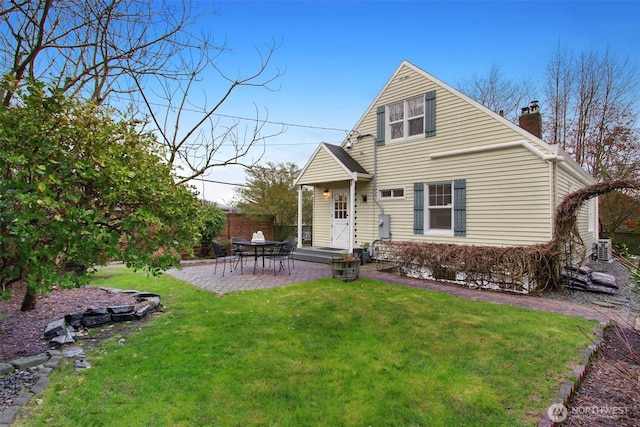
337,55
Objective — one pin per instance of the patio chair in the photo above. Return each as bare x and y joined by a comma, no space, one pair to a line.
294,245
281,253
222,255
241,251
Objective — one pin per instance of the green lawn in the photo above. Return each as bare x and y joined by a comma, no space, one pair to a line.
321,353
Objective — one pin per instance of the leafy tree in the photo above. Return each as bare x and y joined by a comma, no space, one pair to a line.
616,209
78,186
270,191
213,221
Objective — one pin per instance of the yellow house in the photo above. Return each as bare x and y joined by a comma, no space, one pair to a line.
427,163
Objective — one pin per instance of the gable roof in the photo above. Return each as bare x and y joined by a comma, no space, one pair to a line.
341,159
549,147
532,143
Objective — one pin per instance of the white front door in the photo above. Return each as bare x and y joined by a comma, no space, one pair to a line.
340,219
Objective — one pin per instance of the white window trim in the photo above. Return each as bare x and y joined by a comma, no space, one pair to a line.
427,212
405,120
392,197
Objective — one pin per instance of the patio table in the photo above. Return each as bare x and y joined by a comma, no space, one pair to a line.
256,253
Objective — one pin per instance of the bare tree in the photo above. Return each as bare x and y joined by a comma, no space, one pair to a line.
118,52
499,93
591,100
559,80
194,150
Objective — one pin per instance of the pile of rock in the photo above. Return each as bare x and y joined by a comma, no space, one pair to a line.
63,331
586,279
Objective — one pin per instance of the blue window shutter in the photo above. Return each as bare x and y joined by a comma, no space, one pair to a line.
430,114
381,125
418,208
460,207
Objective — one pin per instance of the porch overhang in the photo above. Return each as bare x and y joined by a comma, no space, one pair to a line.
331,163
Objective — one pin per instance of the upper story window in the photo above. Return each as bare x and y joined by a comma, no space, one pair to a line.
412,117
406,118
392,193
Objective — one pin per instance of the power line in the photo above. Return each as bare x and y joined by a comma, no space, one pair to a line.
193,110
220,182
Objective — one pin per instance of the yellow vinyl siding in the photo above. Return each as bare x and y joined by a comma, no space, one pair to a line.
507,198
323,168
321,234
459,124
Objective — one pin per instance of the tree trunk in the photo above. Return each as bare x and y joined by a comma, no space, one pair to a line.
29,301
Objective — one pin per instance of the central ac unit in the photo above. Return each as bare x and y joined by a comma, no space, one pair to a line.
604,250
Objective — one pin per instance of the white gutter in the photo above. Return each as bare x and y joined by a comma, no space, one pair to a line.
494,147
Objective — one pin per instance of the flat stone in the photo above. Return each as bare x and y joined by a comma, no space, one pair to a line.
23,398
141,296
53,362
30,361
42,383
91,321
55,328
9,415
5,368
68,338
120,309
81,364
75,319
123,317
43,371
154,301
96,311
143,311
74,352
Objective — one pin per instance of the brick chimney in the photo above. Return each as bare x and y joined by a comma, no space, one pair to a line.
531,119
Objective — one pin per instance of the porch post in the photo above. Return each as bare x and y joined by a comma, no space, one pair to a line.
300,216
352,214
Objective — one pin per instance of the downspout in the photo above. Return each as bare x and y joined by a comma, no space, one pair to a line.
375,170
553,168
375,181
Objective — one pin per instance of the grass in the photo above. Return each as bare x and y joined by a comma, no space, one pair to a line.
321,353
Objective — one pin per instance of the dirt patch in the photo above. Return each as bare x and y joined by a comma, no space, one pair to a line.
610,393
21,331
